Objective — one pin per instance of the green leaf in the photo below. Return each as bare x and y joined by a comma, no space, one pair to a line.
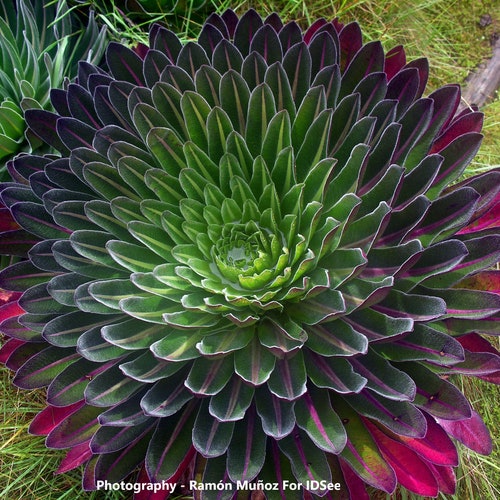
277,80
436,395
177,346
254,363
147,368
191,58
226,57
39,370
110,388
361,451
64,330
167,396
389,381
128,413
199,161
136,258
335,339
207,82
316,417
253,69
277,138
423,343
211,437
166,147
333,373
232,401
209,376
262,109
92,346
312,106
195,110
314,146
225,341
308,463
169,445
134,334
234,97
277,415
167,100
297,63
344,117
325,307
247,452
289,377
219,127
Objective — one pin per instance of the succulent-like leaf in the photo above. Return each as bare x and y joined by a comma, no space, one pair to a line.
248,260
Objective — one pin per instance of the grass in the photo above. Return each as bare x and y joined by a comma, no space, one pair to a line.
448,33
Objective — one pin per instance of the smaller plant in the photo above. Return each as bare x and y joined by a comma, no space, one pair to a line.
40,46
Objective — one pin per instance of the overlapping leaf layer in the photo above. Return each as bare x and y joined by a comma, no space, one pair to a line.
251,260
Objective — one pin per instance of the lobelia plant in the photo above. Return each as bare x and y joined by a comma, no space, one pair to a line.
252,264
40,46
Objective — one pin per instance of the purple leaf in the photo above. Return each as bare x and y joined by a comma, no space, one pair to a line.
411,470
471,432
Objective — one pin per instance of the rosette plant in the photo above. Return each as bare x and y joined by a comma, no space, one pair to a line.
253,261
40,46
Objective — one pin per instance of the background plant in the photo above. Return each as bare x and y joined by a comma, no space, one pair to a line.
40,46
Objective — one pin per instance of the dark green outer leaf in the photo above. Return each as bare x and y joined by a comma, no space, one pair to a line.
110,388
124,64
288,379
227,57
297,63
40,369
33,217
423,343
108,439
191,58
253,69
333,373
170,443
211,437
208,377
308,463
277,415
22,275
436,395
232,402
154,63
254,363
316,417
75,429
383,378
247,451
263,109
167,396
234,97
402,417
